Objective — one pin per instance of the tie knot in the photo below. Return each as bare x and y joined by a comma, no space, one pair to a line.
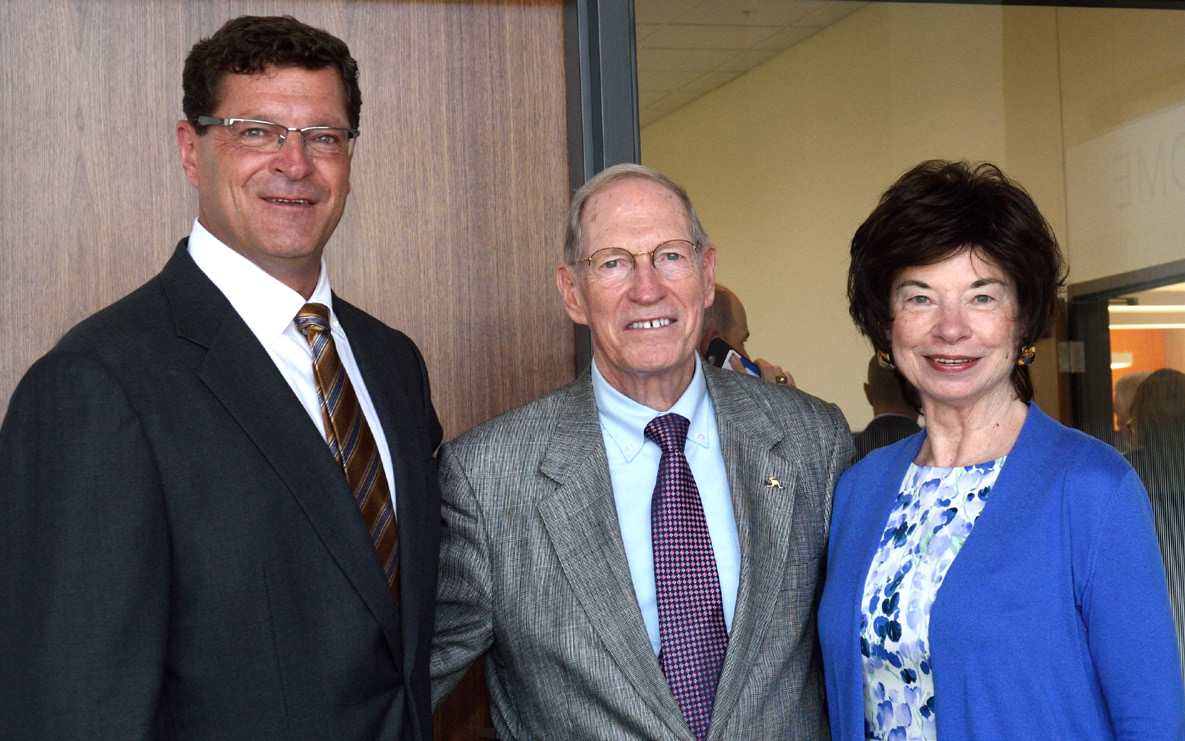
312,317
669,431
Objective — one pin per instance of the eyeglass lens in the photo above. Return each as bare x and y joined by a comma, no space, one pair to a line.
674,259
319,141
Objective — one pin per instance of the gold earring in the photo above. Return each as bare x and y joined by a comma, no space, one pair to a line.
884,360
1027,353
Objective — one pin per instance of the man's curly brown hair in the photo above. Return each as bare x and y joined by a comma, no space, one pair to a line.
250,44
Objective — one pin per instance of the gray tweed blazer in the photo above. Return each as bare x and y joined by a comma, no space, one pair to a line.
533,570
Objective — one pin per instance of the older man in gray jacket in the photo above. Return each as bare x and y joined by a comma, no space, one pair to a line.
639,553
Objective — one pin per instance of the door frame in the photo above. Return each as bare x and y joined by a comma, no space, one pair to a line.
1090,348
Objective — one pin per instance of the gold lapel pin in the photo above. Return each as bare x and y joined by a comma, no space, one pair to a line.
772,483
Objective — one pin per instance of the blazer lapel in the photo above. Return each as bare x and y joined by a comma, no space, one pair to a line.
764,515
581,519
241,375
408,456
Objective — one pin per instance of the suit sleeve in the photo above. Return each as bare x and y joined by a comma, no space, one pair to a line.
464,612
84,559
435,432
1125,606
842,454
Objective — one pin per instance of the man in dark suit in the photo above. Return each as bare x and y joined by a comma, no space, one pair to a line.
893,419
219,515
640,552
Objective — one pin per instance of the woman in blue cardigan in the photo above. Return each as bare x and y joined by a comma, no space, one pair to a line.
995,576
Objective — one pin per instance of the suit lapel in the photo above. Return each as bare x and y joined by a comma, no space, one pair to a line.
581,520
241,375
408,456
764,515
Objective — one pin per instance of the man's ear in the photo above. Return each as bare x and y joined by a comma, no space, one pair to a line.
710,273
868,395
710,335
188,142
566,280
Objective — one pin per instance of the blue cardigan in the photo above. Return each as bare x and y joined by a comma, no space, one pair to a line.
1052,623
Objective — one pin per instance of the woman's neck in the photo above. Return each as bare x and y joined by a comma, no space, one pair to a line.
964,435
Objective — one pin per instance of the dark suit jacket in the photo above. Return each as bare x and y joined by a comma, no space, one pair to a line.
883,430
180,555
533,570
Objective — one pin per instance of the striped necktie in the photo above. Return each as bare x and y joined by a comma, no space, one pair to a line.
351,441
691,625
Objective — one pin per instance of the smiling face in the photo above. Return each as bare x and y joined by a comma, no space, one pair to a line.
955,334
644,331
276,209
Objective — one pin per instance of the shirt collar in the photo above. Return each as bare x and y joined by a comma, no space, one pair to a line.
266,305
624,420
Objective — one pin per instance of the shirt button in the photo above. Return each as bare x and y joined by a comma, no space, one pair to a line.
629,448
699,437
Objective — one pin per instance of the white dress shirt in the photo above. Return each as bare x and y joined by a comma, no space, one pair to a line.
633,470
269,309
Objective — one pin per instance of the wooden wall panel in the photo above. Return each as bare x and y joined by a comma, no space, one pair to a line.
454,225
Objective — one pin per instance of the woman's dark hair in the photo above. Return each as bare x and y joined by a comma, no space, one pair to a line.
940,209
250,44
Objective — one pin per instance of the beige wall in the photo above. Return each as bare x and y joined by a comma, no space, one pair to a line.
784,162
1123,83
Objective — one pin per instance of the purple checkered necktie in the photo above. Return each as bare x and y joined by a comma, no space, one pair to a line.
351,441
690,609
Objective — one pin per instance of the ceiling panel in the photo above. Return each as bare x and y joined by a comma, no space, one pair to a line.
751,12
691,47
685,59
663,11
747,60
667,81
786,37
710,81
685,36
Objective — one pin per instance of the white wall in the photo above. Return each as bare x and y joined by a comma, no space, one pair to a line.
784,162
1123,81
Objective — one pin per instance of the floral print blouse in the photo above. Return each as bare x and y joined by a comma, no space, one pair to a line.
930,520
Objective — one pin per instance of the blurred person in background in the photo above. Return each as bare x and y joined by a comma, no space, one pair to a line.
893,419
1158,455
727,321
1125,391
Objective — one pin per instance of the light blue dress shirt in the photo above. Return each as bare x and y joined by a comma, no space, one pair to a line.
633,469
